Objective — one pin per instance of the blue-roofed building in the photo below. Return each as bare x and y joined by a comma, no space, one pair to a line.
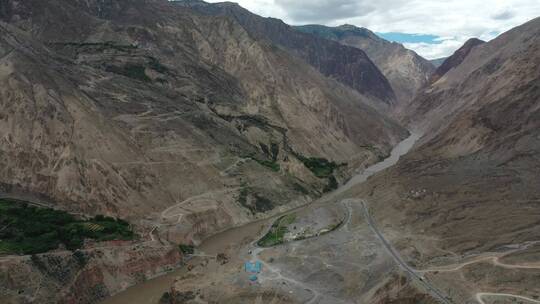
253,267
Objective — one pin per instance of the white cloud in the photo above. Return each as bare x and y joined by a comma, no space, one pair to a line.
455,20
325,11
265,8
434,51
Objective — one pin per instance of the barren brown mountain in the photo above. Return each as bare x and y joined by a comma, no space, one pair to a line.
469,190
347,65
180,123
455,60
173,98
406,70
213,137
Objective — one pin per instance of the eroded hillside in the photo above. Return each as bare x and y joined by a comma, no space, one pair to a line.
348,65
406,71
180,123
466,198
135,106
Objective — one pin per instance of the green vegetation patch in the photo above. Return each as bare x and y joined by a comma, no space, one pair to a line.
271,152
299,188
135,71
332,184
186,249
157,66
277,231
27,229
321,167
274,149
272,165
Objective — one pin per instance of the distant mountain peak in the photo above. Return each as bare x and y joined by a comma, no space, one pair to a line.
348,27
456,59
353,29
204,3
191,1
348,65
406,70
228,4
472,42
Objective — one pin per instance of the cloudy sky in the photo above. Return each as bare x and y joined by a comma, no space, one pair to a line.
433,28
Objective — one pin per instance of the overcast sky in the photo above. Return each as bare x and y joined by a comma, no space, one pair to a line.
445,24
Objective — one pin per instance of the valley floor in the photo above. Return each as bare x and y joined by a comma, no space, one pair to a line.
355,263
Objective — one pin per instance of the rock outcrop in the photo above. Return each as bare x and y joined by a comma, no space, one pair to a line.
456,59
406,71
347,65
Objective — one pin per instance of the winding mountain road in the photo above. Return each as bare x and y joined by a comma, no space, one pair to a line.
401,149
480,295
495,260
178,211
417,274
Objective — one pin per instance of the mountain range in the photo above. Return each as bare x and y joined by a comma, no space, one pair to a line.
469,187
186,119
406,71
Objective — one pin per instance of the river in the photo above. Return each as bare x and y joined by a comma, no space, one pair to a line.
401,149
151,291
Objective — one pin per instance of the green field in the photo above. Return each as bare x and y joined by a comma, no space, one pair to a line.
277,231
321,167
26,229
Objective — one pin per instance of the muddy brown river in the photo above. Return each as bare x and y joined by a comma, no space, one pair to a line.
151,291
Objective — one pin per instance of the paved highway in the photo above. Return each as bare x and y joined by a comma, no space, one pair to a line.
399,260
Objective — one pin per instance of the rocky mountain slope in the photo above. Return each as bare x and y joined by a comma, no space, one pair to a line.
469,190
455,60
84,276
180,104
186,122
406,70
183,124
437,62
347,65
